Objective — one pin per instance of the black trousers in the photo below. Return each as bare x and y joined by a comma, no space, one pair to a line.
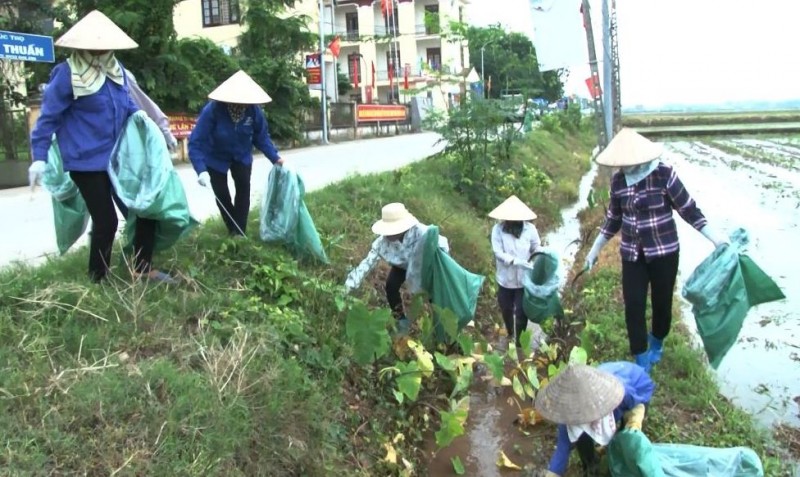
659,275
396,278
234,212
590,461
98,193
510,301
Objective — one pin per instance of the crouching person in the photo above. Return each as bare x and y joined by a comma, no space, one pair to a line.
587,403
400,233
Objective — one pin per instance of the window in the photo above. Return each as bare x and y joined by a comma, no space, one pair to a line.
434,56
431,19
220,12
351,25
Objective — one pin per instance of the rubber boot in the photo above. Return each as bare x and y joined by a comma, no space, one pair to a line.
643,360
656,348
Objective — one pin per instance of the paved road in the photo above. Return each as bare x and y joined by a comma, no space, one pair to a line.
30,235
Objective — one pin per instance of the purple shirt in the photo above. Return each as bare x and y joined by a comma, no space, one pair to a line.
643,212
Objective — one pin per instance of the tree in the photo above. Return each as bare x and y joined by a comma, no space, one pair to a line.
269,51
510,61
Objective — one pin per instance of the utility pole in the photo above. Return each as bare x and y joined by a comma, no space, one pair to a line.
602,138
324,95
617,107
608,74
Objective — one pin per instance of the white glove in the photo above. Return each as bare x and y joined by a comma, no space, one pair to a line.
172,143
591,257
712,235
526,265
36,172
204,179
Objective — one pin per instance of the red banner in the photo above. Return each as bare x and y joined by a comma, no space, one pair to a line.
371,113
181,125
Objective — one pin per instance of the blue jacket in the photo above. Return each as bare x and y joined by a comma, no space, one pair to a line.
639,389
86,128
216,141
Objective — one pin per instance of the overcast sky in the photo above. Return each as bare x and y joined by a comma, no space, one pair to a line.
688,51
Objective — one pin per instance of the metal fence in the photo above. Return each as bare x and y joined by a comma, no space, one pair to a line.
14,135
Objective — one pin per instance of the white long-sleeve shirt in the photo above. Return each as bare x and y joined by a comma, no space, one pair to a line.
400,253
506,248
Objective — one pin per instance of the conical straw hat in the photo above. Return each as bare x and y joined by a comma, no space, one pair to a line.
512,209
96,31
395,219
240,89
629,148
579,395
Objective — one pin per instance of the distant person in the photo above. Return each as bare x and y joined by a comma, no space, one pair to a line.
86,104
587,403
644,192
228,128
514,240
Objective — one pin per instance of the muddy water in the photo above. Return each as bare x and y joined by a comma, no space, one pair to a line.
490,425
754,184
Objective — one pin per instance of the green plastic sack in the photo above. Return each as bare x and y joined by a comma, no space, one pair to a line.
448,284
722,289
285,217
540,297
144,178
70,215
631,454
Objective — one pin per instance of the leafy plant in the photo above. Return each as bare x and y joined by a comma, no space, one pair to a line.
366,331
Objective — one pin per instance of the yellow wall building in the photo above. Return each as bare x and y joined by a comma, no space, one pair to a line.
406,41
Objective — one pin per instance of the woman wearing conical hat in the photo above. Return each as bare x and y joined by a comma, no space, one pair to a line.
399,233
228,128
86,105
644,192
514,240
587,403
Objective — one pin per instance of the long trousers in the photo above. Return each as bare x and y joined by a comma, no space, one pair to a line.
98,193
396,278
510,302
659,276
234,212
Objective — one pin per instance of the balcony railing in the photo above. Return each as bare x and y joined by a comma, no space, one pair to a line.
429,29
348,35
381,30
383,75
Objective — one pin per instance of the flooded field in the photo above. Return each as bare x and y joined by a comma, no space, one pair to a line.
754,184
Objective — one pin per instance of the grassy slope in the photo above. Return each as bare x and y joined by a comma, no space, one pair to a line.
243,370
687,407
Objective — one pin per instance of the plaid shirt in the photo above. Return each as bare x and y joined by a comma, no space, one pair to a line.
644,213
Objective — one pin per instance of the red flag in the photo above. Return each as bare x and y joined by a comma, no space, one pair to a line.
373,75
355,72
391,75
386,7
405,76
594,87
335,47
